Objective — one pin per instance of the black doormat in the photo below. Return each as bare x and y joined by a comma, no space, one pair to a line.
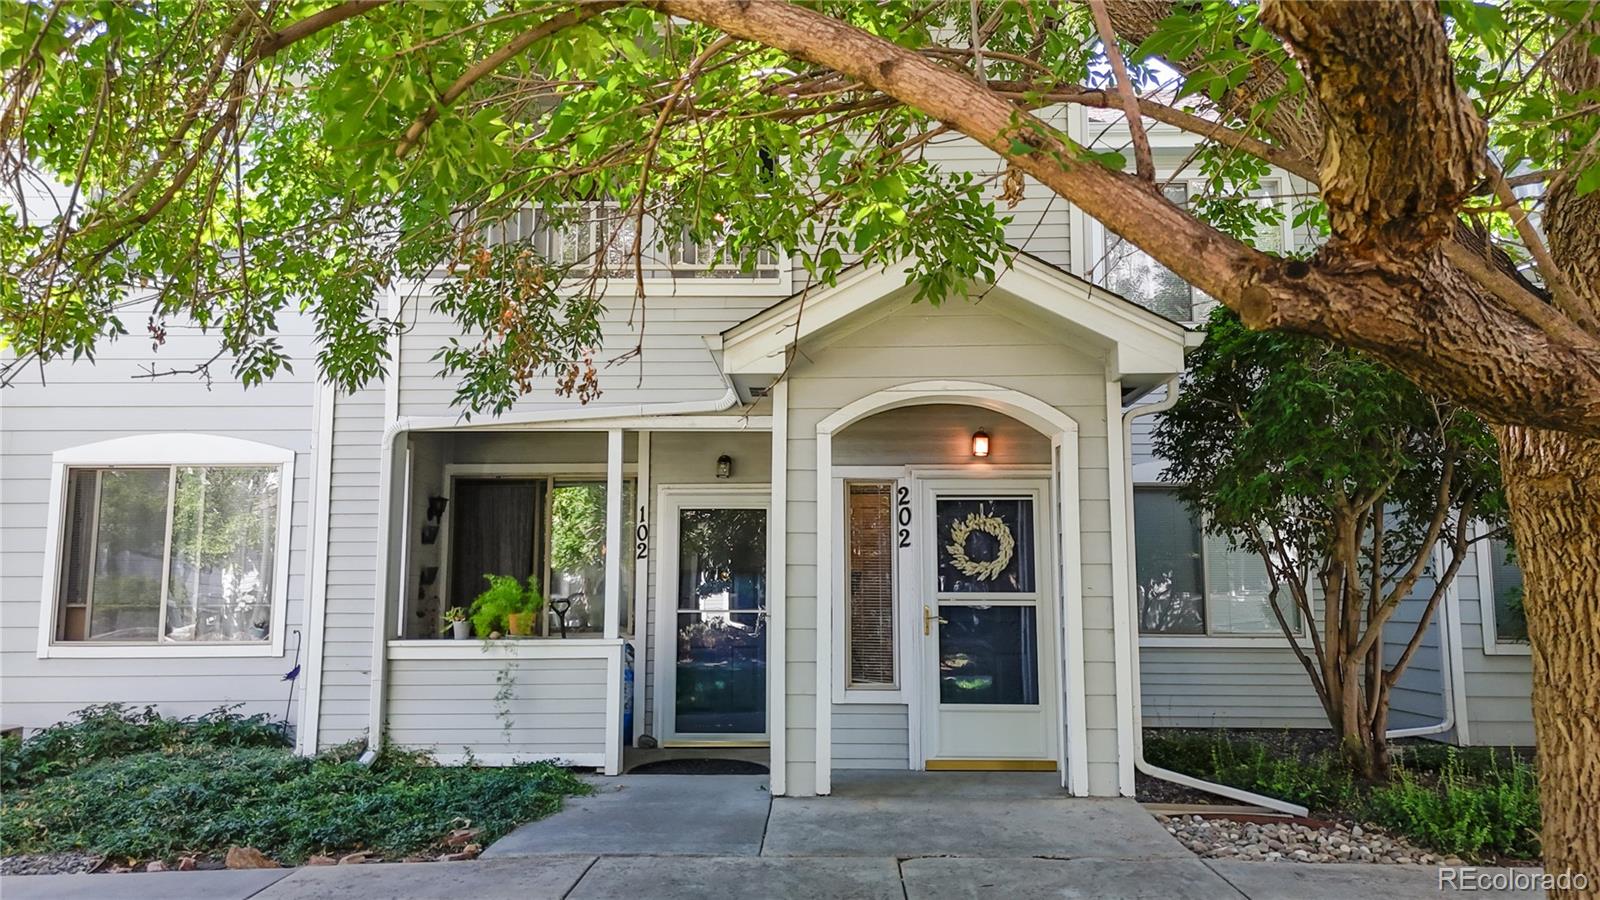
699,767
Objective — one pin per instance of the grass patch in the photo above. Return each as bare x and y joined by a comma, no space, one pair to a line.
1481,803
197,790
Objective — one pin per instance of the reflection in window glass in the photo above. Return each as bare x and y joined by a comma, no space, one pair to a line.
1510,624
1168,563
721,654
224,523
169,554
987,655
578,556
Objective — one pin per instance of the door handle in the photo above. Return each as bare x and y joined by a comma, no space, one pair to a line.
928,618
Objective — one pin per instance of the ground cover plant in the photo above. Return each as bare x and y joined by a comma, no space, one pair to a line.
158,788
1477,802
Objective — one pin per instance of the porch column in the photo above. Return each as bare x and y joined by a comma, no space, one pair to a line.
614,548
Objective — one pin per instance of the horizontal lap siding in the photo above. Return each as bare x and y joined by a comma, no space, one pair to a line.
674,363
870,736
554,707
1499,686
353,536
921,342
87,402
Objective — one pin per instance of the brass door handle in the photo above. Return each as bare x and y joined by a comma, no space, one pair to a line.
927,620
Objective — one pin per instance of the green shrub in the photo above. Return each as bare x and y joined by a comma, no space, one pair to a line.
1471,802
1495,811
203,799
110,730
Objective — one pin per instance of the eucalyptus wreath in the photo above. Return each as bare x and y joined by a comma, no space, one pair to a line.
983,570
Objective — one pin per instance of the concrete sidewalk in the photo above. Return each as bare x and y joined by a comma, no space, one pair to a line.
889,836
762,878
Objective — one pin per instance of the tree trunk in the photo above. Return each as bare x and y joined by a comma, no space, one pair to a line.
1553,483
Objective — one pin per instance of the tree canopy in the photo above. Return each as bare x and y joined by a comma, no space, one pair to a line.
231,161
1350,485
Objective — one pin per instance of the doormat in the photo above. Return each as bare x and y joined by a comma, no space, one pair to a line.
699,767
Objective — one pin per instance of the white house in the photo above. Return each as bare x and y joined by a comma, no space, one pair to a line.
856,531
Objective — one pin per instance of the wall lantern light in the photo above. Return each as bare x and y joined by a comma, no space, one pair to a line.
980,443
724,466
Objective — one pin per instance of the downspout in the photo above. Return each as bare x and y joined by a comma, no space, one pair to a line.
1132,634
1446,667
407,424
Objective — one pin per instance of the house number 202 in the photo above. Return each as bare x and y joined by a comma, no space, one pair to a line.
902,514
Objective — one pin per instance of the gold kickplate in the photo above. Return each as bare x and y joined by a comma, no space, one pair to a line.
991,765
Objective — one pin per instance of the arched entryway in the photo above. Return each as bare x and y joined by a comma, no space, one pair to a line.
988,644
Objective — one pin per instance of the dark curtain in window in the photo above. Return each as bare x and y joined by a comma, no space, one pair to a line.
493,533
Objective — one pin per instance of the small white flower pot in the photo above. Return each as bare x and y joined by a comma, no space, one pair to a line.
461,630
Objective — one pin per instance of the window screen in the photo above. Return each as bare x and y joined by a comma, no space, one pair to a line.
869,584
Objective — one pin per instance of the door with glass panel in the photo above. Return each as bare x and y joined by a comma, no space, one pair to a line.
990,688
711,628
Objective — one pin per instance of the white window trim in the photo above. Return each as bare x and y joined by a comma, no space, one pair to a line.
169,449
1273,640
905,567
1492,644
1201,305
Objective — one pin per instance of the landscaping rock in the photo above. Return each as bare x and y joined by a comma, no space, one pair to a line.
249,858
322,861
50,864
187,864
1290,841
156,866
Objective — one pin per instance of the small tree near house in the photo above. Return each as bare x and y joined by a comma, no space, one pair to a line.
1344,478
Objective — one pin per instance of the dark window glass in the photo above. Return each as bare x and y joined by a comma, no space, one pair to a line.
985,531
988,655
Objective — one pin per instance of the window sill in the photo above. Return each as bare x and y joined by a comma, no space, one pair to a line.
1507,648
885,696
88,650
1216,641
515,648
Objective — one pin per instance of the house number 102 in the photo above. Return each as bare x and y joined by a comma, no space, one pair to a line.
641,537
902,513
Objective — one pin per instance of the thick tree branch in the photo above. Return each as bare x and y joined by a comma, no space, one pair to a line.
1130,101
1406,311
276,41
1402,145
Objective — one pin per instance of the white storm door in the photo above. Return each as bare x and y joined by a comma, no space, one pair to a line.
989,684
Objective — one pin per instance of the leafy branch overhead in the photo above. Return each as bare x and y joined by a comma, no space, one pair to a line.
231,161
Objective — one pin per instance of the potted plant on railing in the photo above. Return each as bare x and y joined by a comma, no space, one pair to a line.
507,607
455,622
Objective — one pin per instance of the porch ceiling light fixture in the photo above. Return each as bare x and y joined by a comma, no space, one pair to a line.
724,466
980,443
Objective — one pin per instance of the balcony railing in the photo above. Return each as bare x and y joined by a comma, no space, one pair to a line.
601,235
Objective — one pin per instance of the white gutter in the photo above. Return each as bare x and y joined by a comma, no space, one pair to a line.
1447,625
1131,633
386,447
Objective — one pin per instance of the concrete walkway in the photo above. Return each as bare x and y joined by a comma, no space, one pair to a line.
928,837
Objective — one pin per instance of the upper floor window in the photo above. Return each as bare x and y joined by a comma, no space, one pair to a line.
1193,583
1124,268
173,552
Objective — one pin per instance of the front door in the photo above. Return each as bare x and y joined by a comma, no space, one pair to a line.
990,688
711,635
